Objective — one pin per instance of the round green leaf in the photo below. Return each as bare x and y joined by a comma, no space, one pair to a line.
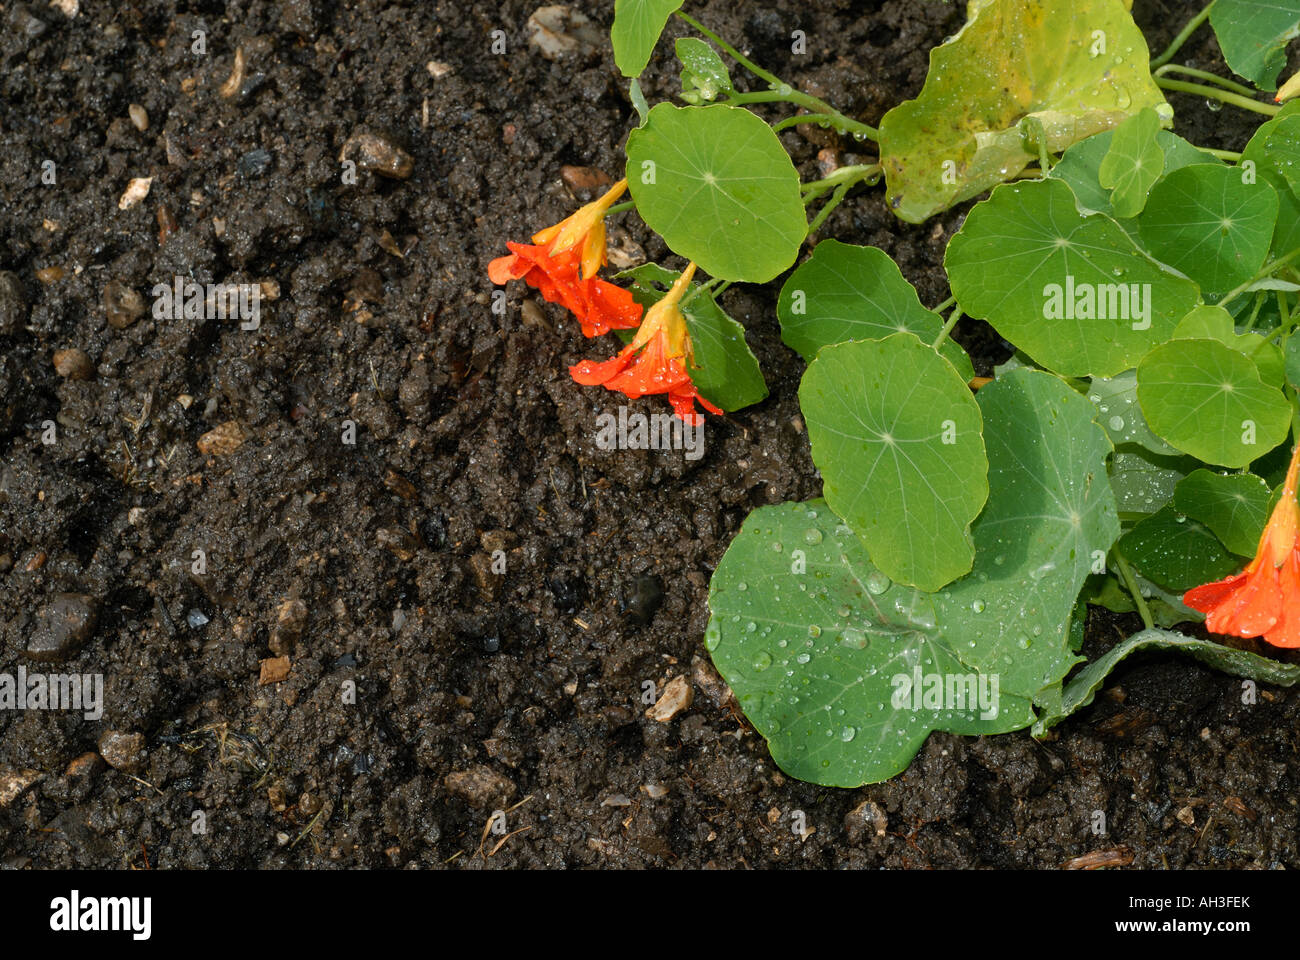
845,672
720,189
1176,552
1133,163
1253,36
844,292
896,435
1071,291
1014,61
1205,222
636,30
1207,400
1234,506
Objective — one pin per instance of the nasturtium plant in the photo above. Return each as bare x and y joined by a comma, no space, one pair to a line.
720,189
1072,291
1204,221
844,292
1129,452
1234,506
897,437
1253,36
1175,551
704,75
1207,399
1080,168
636,30
961,135
804,624
1133,163
725,369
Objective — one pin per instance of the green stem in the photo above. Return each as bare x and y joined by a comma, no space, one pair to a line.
1207,76
787,94
621,207
947,328
800,119
1131,583
1254,313
1232,156
944,306
850,174
1179,40
699,289
1265,271
840,192
782,91
1212,93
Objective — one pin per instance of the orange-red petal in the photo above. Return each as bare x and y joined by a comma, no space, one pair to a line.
1286,632
599,306
1252,609
648,372
1208,596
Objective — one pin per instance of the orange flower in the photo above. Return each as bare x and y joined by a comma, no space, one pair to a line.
1264,599
654,362
562,262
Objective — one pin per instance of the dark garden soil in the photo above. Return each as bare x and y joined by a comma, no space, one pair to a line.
370,564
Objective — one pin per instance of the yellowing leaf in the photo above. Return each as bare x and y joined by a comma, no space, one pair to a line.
1075,67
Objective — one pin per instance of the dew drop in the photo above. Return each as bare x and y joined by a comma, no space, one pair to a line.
855,638
761,661
978,606
877,583
812,536
848,733
814,630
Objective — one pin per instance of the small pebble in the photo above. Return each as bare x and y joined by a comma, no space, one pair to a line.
136,190
73,364
139,117
273,670
221,440
235,82
290,621
677,696
378,154
14,783
123,305
480,786
400,543
123,751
